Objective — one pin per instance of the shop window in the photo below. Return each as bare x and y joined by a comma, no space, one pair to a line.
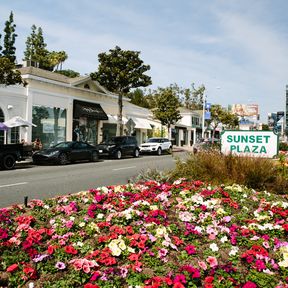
108,131
85,129
51,125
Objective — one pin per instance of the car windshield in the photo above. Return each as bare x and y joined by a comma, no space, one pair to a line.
63,145
154,140
114,140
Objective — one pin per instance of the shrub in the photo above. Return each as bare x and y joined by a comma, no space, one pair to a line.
258,173
283,146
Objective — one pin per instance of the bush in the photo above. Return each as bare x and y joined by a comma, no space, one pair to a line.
283,146
257,173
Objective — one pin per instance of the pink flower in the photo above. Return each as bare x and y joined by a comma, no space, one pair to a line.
212,261
202,265
260,265
249,284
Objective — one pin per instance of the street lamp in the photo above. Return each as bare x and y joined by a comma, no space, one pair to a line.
203,115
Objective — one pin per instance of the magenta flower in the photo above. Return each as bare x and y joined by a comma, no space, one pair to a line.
190,249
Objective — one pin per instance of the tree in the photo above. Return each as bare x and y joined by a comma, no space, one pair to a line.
8,74
166,107
36,47
69,73
36,51
221,115
138,98
120,71
9,39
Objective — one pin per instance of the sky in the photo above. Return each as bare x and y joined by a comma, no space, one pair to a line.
237,49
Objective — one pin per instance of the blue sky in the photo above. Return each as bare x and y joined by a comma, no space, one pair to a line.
237,49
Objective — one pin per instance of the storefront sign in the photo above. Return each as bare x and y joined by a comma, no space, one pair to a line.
250,143
90,110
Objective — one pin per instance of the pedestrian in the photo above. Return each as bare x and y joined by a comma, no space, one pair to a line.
37,145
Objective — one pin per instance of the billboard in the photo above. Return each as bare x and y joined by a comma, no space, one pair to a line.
249,110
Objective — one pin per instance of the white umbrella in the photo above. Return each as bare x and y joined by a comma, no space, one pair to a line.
18,121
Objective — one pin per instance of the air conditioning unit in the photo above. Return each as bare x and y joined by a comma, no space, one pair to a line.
30,63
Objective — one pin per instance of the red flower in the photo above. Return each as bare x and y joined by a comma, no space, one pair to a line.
71,250
285,227
30,272
89,285
12,268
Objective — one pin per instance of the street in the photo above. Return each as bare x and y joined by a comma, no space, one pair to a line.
41,182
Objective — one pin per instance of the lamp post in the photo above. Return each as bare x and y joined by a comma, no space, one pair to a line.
203,115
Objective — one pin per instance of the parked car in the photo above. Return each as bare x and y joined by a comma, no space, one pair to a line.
65,152
206,144
10,153
156,145
119,146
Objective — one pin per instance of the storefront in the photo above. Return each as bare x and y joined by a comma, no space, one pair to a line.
86,118
51,124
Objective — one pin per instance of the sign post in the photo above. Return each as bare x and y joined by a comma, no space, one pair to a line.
250,143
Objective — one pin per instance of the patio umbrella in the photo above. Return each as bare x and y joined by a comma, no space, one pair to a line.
3,126
18,121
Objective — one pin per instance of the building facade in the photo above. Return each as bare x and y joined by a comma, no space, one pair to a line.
66,108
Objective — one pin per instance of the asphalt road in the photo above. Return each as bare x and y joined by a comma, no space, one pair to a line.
42,182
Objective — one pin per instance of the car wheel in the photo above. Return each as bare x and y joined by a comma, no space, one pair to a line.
136,153
159,151
63,159
94,156
8,162
169,150
118,154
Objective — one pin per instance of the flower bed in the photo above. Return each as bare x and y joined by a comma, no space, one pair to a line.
185,234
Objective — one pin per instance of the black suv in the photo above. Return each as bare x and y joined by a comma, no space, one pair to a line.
119,146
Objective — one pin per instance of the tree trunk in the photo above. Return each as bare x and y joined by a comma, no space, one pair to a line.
119,120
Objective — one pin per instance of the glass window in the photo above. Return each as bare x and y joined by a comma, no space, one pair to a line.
85,129
51,125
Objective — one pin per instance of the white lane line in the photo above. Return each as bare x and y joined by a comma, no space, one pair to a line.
14,184
123,168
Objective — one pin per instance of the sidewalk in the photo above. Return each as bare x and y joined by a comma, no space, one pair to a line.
182,149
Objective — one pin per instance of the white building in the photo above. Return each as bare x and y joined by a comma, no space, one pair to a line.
66,108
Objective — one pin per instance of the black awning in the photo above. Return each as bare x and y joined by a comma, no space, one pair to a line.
90,110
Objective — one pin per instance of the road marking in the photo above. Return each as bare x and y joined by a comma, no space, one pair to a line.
14,184
123,168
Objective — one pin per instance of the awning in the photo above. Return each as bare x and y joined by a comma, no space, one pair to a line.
90,110
18,121
114,119
141,123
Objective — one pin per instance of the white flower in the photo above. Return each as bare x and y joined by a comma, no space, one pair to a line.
234,251
130,249
79,244
224,239
72,218
46,207
31,285
153,207
214,247
82,224
161,231
100,216
116,251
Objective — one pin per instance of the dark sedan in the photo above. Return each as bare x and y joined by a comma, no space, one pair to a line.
66,152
